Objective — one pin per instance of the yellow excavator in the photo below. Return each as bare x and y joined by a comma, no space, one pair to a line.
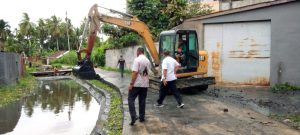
193,63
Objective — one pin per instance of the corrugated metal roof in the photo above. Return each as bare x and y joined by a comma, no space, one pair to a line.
242,9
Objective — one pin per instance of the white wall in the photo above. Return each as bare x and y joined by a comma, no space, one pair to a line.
128,53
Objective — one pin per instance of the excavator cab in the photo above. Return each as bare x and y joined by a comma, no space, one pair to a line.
183,46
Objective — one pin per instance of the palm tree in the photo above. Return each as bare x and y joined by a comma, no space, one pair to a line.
63,34
4,32
77,34
54,28
27,31
26,27
41,32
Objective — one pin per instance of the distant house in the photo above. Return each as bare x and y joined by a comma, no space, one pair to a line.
256,44
219,5
215,4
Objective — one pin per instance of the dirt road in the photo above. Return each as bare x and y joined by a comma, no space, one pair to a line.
202,115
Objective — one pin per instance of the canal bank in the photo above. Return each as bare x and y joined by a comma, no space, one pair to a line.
14,92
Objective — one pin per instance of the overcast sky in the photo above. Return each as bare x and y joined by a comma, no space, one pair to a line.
12,10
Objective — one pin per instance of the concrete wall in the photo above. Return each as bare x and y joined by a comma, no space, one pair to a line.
129,53
10,69
285,37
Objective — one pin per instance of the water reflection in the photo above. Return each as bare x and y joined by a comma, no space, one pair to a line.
9,117
61,106
54,95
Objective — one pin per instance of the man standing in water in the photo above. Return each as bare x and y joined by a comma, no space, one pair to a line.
139,85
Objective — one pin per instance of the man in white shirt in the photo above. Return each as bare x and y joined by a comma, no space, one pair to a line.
138,85
168,80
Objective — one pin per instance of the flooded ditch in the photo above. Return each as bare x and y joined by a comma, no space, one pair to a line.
60,107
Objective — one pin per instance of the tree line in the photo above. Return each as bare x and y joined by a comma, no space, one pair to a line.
159,15
51,34
46,35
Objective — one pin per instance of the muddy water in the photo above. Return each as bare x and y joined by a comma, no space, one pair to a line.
60,107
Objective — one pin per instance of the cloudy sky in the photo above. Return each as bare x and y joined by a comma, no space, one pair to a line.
12,10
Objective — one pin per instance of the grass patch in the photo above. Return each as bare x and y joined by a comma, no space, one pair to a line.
114,121
11,93
126,71
284,88
294,118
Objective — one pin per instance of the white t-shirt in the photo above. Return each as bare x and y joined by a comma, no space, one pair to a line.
169,63
142,66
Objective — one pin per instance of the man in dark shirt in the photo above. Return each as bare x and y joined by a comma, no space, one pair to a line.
121,64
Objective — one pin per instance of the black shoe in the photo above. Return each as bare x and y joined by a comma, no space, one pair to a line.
132,121
142,119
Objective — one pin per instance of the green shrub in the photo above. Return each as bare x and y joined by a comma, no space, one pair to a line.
129,39
68,59
284,87
57,65
37,64
98,55
45,53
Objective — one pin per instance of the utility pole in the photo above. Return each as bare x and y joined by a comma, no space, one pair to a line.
67,20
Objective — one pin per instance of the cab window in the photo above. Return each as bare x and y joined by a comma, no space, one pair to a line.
167,43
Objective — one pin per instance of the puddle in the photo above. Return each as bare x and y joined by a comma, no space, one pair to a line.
60,107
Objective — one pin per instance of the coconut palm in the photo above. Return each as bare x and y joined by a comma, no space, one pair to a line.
41,32
77,34
27,28
54,28
27,31
4,32
64,28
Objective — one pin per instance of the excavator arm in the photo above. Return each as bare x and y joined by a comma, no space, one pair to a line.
132,23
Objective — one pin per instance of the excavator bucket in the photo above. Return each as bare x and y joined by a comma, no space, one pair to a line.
85,70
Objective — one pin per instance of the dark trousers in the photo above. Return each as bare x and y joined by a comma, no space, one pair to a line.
122,71
142,93
164,90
